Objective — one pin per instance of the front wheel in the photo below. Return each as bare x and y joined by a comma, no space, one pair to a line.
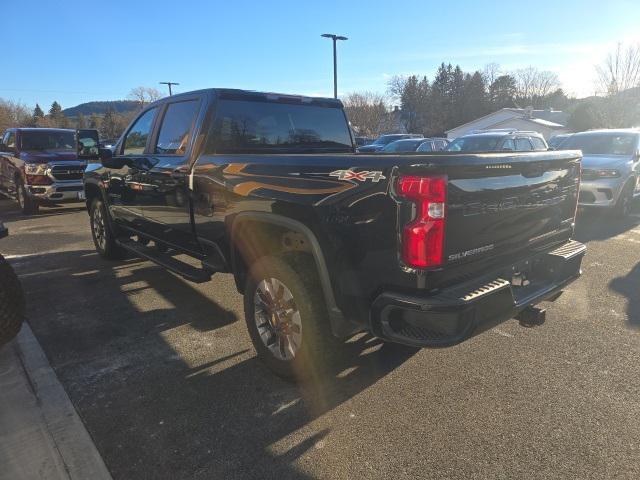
102,232
12,304
287,318
27,204
625,202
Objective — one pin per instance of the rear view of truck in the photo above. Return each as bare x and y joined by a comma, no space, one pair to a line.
486,236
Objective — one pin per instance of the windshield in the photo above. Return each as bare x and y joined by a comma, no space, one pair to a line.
602,144
474,144
402,146
50,140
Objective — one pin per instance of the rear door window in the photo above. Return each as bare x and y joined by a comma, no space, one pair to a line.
538,143
136,140
176,128
523,145
508,145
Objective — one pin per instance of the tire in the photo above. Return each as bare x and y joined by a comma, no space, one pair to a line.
300,306
625,202
12,305
28,205
102,232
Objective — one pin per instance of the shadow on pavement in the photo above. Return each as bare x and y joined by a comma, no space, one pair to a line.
208,409
629,286
603,225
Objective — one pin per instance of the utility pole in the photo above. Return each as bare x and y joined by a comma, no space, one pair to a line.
335,61
169,85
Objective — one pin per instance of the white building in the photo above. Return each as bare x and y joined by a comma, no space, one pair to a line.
547,122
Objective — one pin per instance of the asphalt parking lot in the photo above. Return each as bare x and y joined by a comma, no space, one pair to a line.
163,375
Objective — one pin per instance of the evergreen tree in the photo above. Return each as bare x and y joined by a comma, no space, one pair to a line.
502,92
109,127
475,102
94,121
81,121
55,110
38,113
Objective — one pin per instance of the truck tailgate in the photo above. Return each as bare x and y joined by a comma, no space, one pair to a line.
501,203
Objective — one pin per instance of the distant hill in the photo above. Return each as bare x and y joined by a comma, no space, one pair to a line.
119,106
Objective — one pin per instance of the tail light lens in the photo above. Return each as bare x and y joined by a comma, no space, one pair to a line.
423,237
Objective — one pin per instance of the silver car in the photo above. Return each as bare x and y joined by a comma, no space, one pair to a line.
610,168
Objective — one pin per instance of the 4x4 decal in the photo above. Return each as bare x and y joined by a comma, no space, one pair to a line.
375,176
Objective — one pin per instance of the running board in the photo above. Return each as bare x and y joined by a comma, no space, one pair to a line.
186,271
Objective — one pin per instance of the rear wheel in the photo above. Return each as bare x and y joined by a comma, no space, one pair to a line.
287,318
12,305
27,204
102,232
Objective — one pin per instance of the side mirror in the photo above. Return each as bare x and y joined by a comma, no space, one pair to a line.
105,153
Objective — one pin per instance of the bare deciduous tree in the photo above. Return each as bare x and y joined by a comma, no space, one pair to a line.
491,72
396,86
144,95
367,112
620,70
13,114
533,84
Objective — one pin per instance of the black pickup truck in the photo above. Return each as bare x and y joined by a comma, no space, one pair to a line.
419,249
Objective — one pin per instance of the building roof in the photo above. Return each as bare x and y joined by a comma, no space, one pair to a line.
546,123
554,116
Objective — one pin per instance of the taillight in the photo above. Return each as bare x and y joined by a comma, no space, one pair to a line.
423,237
38,180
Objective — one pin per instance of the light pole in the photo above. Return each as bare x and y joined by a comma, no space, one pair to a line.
169,85
335,62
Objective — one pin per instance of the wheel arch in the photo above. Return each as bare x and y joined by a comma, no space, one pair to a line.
276,227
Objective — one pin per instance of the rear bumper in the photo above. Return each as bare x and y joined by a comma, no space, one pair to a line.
453,314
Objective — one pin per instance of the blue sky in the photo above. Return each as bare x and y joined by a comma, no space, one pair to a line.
75,52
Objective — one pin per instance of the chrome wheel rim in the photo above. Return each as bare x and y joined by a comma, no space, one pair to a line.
277,319
98,228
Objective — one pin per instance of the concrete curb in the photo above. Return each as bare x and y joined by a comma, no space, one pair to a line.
41,434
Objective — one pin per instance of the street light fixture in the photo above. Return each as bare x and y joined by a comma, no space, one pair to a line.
335,38
169,85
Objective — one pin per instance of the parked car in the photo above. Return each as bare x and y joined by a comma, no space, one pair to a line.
361,141
610,168
406,145
555,141
324,243
40,166
433,145
499,141
12,304
384,140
